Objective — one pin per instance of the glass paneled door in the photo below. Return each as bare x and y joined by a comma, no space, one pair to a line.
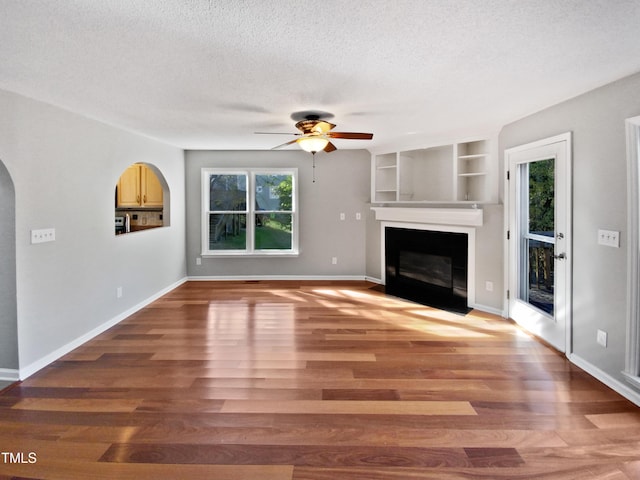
537,234
539,219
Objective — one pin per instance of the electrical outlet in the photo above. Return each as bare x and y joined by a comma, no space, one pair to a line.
358,216
343,216
601,338
609,238
119,292
488,286
334,260
198,261
43,235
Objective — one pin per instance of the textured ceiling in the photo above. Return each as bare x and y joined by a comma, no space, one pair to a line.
209,73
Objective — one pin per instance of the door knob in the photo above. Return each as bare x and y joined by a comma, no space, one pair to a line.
560,256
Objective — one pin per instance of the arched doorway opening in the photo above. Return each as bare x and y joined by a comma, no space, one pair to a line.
9,360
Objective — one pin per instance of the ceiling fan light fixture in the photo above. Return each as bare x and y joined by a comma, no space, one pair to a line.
313,143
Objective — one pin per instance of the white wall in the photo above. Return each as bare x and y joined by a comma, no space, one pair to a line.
597,120
64,169
342,185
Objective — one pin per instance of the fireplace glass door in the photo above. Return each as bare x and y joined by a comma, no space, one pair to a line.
428,267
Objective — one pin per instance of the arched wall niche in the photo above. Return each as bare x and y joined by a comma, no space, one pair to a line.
9,359
142,199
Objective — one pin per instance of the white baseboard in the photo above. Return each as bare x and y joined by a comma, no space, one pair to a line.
245,278
373,280
613,383
56,354
484,308
9,374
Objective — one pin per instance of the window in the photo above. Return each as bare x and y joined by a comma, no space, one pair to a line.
249,212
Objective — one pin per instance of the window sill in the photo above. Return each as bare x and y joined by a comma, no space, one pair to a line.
250,255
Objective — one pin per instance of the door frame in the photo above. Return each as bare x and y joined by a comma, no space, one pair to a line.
631,371
510,269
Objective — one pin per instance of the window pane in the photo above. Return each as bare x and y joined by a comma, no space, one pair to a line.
541,197
227,231
228,192
537,282
541,271
273,231
273,192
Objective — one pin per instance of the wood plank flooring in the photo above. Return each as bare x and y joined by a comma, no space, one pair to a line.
313,381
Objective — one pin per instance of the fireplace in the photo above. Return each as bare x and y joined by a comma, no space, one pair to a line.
428,267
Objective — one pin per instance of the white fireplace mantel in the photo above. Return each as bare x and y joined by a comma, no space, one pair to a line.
461,220
468,217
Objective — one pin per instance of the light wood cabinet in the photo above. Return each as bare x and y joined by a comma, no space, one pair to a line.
129,187
150,188
138,186
464,172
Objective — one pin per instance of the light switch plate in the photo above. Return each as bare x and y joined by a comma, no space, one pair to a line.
609,238
43,235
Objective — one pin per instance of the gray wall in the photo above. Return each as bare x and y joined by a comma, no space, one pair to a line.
64,169
489,258
8,313
599,201
373,247
342,185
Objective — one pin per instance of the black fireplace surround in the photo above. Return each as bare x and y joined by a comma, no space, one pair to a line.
427,267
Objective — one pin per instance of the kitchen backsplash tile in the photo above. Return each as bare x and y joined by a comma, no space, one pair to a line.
142,218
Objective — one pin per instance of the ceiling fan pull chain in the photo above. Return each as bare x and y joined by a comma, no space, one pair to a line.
313,154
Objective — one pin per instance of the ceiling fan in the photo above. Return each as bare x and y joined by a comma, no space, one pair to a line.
316,133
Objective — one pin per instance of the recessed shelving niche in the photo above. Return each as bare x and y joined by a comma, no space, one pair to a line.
385,177
464,172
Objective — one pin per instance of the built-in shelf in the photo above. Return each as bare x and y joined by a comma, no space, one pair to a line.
464,172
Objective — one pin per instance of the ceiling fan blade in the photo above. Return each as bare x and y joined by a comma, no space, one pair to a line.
350,135
329,148
285,144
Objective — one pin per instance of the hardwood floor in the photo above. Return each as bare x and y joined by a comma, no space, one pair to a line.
313,381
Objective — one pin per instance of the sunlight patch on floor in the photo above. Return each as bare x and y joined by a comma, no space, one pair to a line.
403,314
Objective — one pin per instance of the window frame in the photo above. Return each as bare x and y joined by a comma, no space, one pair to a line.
250,212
